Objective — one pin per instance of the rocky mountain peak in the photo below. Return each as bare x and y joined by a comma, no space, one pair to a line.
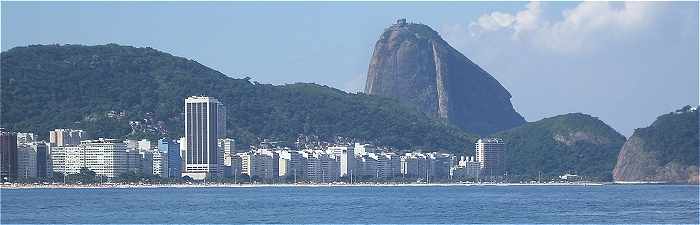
413,64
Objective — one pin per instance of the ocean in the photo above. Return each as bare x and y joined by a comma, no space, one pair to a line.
429,204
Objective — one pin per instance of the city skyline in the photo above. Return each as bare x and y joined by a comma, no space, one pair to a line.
617,89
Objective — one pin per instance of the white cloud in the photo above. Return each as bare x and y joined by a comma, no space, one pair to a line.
575,31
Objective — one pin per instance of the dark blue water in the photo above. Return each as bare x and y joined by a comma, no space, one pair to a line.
468,204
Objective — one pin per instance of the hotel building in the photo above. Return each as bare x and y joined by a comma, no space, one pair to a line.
205,123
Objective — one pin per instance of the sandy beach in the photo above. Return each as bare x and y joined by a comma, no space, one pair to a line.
214,185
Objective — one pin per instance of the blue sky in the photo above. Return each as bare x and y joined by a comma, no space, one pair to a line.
625,63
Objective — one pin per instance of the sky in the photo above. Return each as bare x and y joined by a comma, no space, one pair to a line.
625,63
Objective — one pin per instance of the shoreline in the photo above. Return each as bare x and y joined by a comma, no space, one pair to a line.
107,186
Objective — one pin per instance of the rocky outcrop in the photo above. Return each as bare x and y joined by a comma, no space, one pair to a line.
413,64
666,151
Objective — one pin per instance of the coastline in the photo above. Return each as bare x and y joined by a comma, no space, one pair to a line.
101,186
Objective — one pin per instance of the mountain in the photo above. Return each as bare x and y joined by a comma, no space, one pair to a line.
413,64
666,151
571,143
119,91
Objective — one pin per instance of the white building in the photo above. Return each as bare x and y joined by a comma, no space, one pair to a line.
183,147
106,157
361,149
228,147
160,163
205,123
66,159
490,153
74,159
145,145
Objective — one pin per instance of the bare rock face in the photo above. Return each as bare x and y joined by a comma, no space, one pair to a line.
666,151
413,64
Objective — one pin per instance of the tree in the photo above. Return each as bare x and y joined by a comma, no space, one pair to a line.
86,175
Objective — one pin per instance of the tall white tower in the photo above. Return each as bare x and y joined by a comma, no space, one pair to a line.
205,123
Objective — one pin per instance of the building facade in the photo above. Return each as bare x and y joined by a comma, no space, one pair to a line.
160,164
321,167
346,157
26,161
490,153
8,155
292,165
174,162
205,123
259,165
66,137
106,157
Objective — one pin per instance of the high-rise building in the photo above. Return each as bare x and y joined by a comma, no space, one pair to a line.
106,157
490,153
346,156
160,163
366,167
66,158
133,161
259,164
440,165
146,159
63,137
205,123
26,161
32,160
172,150
183,147
236,168
43,158
228,147
388,165
467,167
415,165
321,166
292,165
74,159
8,155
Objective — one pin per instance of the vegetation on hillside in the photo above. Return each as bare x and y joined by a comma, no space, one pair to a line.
570,143
102,88
673,137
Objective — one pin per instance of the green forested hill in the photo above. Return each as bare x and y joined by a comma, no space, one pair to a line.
56,86
570,143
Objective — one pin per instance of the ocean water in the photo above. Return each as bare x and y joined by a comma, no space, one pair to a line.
454,204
